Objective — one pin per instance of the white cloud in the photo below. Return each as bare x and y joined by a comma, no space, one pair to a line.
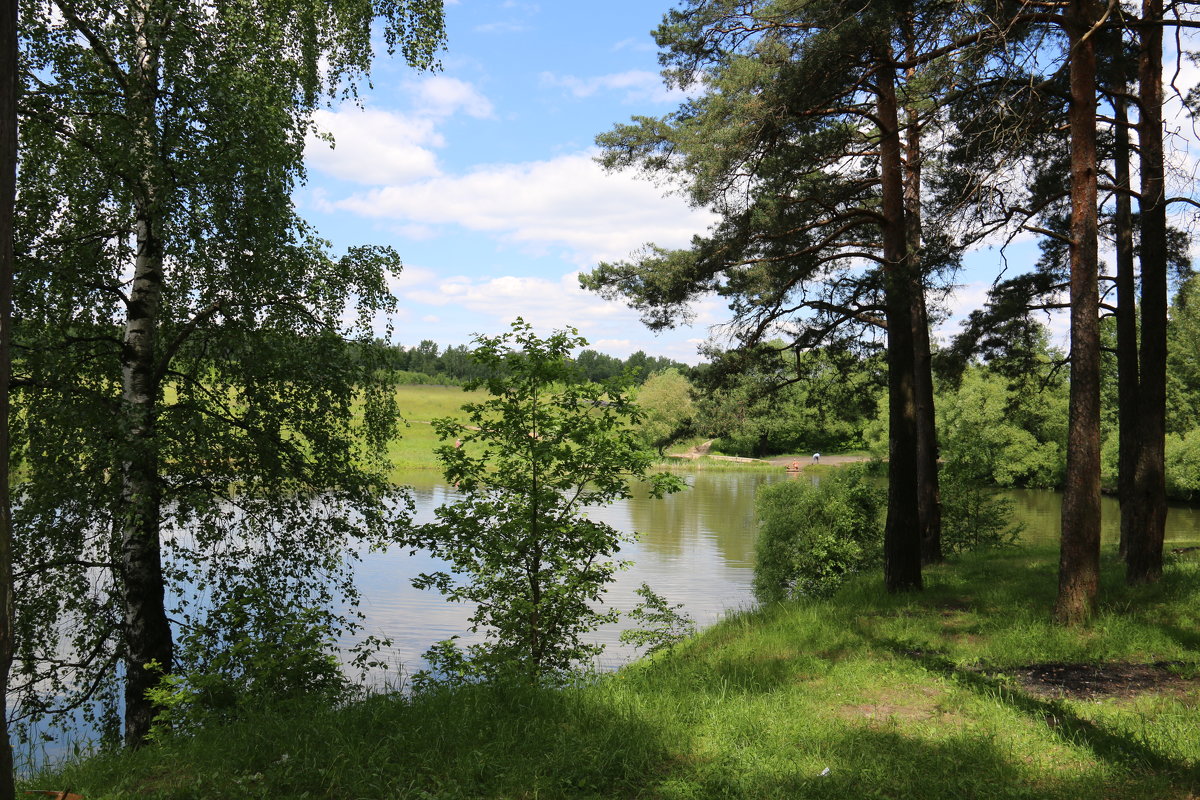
637,85
500,27
374,147
640,44
441,96
547,304
565,202
378,147
411,277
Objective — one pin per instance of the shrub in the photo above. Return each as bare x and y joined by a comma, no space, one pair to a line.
811,538
973,517
662,624
255,651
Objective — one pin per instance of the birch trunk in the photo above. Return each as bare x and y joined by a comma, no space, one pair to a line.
147,631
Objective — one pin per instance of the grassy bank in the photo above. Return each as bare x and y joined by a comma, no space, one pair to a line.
960,691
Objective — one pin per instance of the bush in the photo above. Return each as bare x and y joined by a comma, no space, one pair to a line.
1183,465
973,517
811,538
663,625
518,542
255,651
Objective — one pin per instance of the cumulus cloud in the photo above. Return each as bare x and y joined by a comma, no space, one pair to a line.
566,202
637,85
546,303
374,147
440,96
380,147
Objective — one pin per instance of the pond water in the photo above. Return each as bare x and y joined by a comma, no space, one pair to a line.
695,548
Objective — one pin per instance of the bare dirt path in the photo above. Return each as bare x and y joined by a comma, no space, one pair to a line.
703,449
805,461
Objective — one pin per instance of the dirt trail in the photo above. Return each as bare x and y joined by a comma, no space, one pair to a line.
832,461
703,449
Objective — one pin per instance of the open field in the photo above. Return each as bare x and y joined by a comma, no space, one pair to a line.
419,405
964,691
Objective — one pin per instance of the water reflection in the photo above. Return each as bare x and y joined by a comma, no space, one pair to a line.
696,548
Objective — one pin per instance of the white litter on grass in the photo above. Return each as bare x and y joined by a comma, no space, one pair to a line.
824,773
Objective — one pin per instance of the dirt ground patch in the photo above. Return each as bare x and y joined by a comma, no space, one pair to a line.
1113,679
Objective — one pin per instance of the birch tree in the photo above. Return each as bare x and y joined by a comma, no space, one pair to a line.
8,197
182,390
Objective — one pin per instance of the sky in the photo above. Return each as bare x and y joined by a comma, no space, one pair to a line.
482,177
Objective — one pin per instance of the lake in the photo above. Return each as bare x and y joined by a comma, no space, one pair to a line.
696,548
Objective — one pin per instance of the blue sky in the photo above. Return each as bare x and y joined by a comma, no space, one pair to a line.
481,176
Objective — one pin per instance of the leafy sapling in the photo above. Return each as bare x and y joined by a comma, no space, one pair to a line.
529,460
662,624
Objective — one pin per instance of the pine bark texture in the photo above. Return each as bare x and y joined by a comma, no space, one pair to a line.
1079,558
902,534
1127,346
8,194
929,500
1149,520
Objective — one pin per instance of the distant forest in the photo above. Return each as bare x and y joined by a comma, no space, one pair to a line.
427,362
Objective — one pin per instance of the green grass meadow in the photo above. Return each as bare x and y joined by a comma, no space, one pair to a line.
864,695
420,405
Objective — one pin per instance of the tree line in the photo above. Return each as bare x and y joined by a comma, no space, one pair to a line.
454,363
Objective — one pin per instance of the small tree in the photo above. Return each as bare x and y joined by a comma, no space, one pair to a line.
812,538
528,461
666,403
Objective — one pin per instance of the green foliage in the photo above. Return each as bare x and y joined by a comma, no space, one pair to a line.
665,400
540,449
661,624
812,538
254,650
975,517
996,432
1183,359
189,415
765,400
1183,465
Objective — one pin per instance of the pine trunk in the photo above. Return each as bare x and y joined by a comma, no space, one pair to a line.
147,630
929,497
1148,526
1127,347
902,533
1079,559
8,196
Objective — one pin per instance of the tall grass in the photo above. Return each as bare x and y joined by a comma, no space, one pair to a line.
861,695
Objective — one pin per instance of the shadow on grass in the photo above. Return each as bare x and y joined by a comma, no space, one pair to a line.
1113,747
866,762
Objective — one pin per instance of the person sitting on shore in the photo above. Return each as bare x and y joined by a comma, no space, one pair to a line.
794,466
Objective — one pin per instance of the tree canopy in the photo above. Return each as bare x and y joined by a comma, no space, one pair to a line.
182,392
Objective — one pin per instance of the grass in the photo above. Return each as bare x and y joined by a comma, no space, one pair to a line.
865,695
420,405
